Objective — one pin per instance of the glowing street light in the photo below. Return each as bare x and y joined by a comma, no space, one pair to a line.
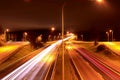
63,5
52,29
25,36
7,30
82,37
110,34
68,32
63,40
107,35
5,33
111,31
52,32
99,1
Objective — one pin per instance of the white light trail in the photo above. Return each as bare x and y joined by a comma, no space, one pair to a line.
26,67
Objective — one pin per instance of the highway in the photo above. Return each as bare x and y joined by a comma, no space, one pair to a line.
114,46
40,62
83,67
38,65
109,72
80,64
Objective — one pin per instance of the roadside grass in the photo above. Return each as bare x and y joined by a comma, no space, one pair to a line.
23,52
106,54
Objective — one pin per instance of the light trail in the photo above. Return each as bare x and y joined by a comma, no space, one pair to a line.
82,67
109,71
108,65
29,65
35,69
26,67
100,66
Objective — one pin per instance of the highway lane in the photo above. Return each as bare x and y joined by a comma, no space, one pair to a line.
32,66
38,72
11,65
103,67
29,70
115,51
107,70
83,68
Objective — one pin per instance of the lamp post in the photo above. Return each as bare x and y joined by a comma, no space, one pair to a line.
63,5
82,37
5,33
52,29
25,36
63,41
111,31
52,32
107,36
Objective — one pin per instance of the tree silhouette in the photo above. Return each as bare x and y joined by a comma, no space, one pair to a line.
2,39
1,30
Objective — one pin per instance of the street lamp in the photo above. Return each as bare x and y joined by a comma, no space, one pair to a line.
52,32
7,30
5,33
111,31
25,36
82,37
99,1
63,5
63,41
68,32
52,29
107,35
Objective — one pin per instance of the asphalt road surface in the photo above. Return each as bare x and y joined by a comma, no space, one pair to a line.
80,64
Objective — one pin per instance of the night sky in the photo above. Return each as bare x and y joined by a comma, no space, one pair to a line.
80,15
